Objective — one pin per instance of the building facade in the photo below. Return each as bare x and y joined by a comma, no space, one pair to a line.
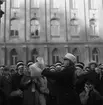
51,28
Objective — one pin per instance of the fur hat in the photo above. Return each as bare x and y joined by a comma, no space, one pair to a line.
80,64
93,62
58,63
19,63
71,57
29,63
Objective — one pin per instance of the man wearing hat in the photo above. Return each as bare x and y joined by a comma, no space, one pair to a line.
58,66
66,94
16,87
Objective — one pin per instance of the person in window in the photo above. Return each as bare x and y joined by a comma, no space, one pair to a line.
66,94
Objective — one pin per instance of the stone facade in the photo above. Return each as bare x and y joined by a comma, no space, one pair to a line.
51,30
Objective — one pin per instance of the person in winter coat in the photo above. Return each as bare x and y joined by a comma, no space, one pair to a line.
90,96
65,81
5,84
16,95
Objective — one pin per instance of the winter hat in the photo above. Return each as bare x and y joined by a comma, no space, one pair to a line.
79,65
58,63
52,67
93,62
19,63
29,63
71,57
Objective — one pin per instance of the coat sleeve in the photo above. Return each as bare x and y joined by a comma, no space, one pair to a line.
56,75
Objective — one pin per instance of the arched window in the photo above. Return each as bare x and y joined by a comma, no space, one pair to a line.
54,4
35,3
74,4
77,54
15,3
95,55
74,26
93,27
13,57
34,55
55,55
55,27
14,29
35,27
93,4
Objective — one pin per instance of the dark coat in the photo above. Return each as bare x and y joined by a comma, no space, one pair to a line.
92,77
15,85
64,79
5,86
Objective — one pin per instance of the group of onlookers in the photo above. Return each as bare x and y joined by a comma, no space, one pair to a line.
66,83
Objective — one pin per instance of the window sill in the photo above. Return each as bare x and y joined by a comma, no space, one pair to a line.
37,8
14,36
75,36
56,36
94,36
35,37
15,7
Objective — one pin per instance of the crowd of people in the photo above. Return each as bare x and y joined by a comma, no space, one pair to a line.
63,83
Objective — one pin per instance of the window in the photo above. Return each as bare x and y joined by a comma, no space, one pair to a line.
13,57
74,27
55,4
77,54
14,31
55,28
55,56
74,4
93,4
34,55
35,28
93,27
95,55
15,3
35,3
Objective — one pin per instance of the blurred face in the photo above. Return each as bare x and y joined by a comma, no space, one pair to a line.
58,68
79,71
88,87
97,70
21,69
66,62
6,73
13,72
1,70
92,66
53,70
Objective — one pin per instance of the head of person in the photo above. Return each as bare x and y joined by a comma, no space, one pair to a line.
93,65
88,86
79,69
28,64
69,60
12,71
101,67
52,68
1,69
58,66
20,67
97,70
6,71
